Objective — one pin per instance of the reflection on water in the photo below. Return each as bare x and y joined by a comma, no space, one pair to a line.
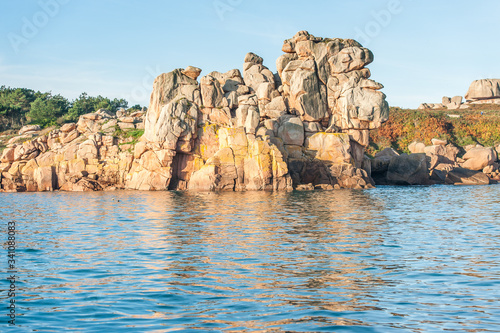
391,259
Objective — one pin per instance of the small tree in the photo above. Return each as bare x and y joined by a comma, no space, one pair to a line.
136,107
82,105
40,113
14,104
46,109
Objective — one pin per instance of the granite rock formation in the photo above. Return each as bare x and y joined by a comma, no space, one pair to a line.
307,124
304,127
83,156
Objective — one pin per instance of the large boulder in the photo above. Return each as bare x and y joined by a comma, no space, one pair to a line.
206,179
192,72
252,120
307,93
416,147
483,89
276,108
29,128
333,147
349,59
177,121
88,150
441,156
478,158
291,131
212,95
408,170
8,155
174,96
45,178
360,108
255,73
68,127
381,161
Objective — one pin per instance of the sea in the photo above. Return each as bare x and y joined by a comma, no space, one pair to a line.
389,259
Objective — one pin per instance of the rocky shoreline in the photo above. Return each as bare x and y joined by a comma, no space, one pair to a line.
436,164
305,127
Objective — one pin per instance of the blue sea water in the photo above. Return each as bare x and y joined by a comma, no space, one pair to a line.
390,259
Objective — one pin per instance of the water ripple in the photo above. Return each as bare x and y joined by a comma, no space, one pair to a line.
392,259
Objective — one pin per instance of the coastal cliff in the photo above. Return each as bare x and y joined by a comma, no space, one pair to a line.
307,124
320,122
305,127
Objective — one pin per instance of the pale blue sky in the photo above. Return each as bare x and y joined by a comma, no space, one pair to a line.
423,49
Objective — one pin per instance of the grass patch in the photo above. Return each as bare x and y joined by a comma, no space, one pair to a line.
133,134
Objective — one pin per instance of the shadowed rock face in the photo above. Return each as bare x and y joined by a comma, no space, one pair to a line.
260,130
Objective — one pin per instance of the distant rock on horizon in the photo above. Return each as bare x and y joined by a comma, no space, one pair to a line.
484,91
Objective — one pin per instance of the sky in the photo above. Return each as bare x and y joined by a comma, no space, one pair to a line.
115,48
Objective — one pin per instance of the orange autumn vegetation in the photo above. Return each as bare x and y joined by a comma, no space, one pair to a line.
478,125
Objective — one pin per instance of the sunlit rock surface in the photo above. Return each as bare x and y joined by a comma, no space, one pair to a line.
304,127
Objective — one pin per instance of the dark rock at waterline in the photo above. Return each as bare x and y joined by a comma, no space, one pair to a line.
403,170
462,176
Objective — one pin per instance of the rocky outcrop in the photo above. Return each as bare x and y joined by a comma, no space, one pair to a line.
452,103
438,163
444,161
304,127
326,82
83,156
